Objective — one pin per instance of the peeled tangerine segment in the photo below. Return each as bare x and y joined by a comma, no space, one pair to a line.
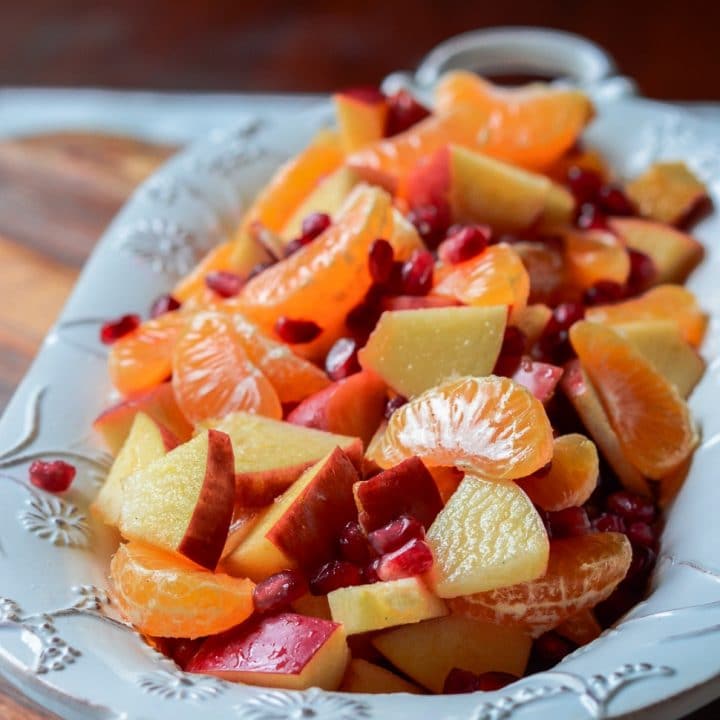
489,535
166,595
429,650
491,426
413,350
582,571
572,476
652,422
362,608
664,302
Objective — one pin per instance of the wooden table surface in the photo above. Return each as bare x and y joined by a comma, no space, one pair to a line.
57,193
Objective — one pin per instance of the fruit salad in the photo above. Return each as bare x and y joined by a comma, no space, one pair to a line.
413,427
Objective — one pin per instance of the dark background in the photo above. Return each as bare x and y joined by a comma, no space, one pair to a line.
669,46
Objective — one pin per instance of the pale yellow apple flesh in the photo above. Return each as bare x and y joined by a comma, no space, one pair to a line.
366,677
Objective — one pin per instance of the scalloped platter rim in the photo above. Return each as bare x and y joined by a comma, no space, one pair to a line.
60,639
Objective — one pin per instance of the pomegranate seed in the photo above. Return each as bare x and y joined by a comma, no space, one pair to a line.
380,260
361,320
413,558
417,273
570,522
293,246
431,222
604,292
395,534
184,649
554,346
565,315
640,533
613,201
53,476
550,648
584,184
365,93
164,304
630,506
354,546
463,681
403,112
642,271
464,243
511,351
223,283
370,573
333,575
259,268
341,360
313,225
590,217
279,590
623,598
642,564
296,331
115,329
609,522
393,404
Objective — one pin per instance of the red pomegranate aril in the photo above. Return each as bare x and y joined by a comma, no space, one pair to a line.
164,304
335,574
640,533
417,273
313,225
460,681
584,184
614,201
413,558
404,111
642,271
295,331
354,545
293,246
224,283
259,268
393,404
431,222
279,590
370,572
361,320
464,243
395,534
569,522
565,315
604,292
608,522
115,329
54,476
341,360
550,648
380,260
630,506
511,351
642,564
590,217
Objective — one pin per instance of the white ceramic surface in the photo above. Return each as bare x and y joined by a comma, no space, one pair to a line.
60,639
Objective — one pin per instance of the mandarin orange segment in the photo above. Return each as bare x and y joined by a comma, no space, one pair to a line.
652,421
212,374
293,377
572,476
167,595
582,571
294,181
594,256
324,280
495,277
490,425
143,358
531,126
664,302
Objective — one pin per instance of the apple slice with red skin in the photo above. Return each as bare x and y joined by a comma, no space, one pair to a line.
184,501
539,378
284,651
418,302
405,489
361,115
352,406
159,403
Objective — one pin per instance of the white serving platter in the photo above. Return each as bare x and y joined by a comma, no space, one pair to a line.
61,642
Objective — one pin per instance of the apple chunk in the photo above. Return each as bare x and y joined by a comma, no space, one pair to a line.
184,500
283,651
361,116
147,441
489,535
414,350
302,526
270,454
405,489
429,650
362,608
366,677
661,343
